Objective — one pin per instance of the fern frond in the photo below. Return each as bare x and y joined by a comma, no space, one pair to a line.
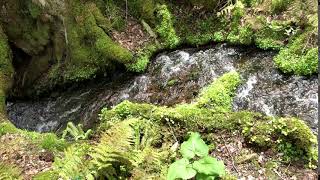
74,164
9,172
76,132
115,150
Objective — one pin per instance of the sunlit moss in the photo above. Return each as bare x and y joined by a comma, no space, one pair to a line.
165,27
219,94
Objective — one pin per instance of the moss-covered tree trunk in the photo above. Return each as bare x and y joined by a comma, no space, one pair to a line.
6,72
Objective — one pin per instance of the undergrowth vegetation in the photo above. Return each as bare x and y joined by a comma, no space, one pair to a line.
146,141
141,140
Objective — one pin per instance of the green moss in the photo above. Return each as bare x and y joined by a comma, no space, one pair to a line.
91,49
219,36
28,32
199,39
6,72
218,95
298,58
264,132
143,57
211,111
7,128
165,27
48,141
6,68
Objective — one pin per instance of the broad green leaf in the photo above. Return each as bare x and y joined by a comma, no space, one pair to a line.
181,169
194,146
209,166
200,176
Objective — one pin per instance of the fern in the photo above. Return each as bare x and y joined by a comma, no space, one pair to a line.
125,150
9,172
113,156
74,164
76,132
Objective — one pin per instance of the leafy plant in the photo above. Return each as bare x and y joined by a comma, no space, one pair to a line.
76,132
188,167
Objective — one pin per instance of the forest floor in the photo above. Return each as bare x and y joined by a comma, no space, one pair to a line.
241,160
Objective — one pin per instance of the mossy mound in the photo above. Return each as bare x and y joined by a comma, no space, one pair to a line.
290,136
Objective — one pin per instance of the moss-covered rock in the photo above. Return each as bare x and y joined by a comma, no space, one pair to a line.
61,42
218,95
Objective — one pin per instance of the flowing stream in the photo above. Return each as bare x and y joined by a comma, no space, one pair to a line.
177,77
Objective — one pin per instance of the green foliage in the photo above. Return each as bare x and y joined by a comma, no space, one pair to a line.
218,36
244,35
51,142
74,164
91,49
165,27
204,168
34,9
194,146
46,175
48,141
76,132
142,58
114,15
278,6
9,172
262,131
6,71
218,95
143,9
298,58
132,151
108,157
7,128
272,34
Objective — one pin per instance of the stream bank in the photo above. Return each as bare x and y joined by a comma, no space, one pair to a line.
176,77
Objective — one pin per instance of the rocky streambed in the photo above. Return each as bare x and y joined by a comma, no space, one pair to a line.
176,77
